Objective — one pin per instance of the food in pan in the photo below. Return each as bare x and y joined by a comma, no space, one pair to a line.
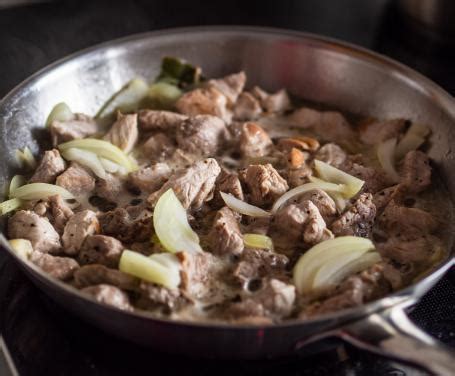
208,200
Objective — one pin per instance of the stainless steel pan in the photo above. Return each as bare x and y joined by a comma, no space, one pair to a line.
315,68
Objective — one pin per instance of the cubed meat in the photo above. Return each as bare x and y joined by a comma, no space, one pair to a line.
201,135
110,188
76,179
100,249
193,186
379,131
125,227
416,172
26,224
322,201
276,102
382,198
79,226
225,236
153,296
158,147
258,225
60,212
109,295
254,141
80,126
331,154
264,184
124,132
375,180
91,275
227,183
298,175
61,268
151,178
358,220
247,107
152,120
405,250
50,166
230,86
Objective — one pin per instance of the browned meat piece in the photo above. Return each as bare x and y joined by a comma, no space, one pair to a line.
375,180
379,131
255,264
61,268
399,275
358,220
416,171
124,132
91,275
331,154
230,86
322,201
298,171
225,236
193,186
331,125
228,183
109,188
100,249
151,178
265,184
254,141
151,120
158,147
29,225
125,227
400,220
206,101
247,107
201,135
405,250
51,165
109,295
77,180
60,212
80,127
153,296
79,226
276,102
382,198
258,225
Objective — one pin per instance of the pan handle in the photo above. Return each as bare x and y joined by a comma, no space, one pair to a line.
390,333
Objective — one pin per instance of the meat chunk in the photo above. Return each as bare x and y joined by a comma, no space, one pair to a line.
375,180
79,226
151,178
153,296
322,201
207,101
408,250
152,120
193,186
358,220
264,183
109,188
254,141
91,275
332,154
29,225
299,172
51,165
379,131
276,102
331,125
124,132
80,126
61,268
258,225
225,236
77,180
100,249
201,135
109,295
158,147
125,227
230,86
416,171
247,107
228,183
382,198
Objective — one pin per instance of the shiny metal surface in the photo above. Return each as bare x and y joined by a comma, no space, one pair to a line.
317,69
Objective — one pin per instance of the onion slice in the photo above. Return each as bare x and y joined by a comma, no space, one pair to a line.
149,269
16,182
60,112
87,159
331,174
10,205
109,166
171,225
243,207
25,158
37,191
258,241
319,184
22,247
414,137
386,157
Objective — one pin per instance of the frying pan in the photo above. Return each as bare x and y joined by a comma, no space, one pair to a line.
315,68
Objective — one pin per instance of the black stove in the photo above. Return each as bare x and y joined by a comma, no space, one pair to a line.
42,339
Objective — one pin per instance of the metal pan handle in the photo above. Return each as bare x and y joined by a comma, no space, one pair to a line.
390,333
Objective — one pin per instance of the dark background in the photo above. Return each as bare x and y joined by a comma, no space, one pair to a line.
43,339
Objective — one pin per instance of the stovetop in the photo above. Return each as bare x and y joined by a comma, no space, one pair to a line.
38,335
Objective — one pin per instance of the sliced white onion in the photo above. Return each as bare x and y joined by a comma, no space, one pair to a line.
414,137
319,184
16,182
10,205
85,158
386,157
149,269
22,247
37,191
25,158
243,207
109,166
258,241
171,225
338,248
340,200
331,174
167,259
60,112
